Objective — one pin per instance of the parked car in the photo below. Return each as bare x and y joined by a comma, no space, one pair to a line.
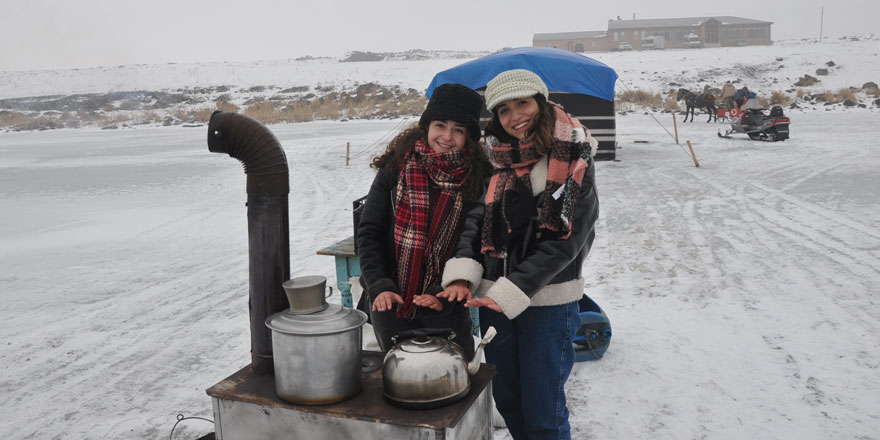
654,42
740,43
692,41
624,45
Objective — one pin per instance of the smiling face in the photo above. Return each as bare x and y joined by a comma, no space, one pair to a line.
517,116
446,136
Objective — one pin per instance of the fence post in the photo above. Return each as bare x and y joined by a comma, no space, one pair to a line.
692,154
347,151
675,124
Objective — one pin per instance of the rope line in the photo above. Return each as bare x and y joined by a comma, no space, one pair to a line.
651,113
382,140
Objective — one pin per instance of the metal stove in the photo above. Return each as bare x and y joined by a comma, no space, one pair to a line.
247,408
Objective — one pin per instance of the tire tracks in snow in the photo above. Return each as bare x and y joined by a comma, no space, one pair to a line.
780,228
818,230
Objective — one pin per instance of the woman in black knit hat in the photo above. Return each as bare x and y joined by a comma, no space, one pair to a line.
430,174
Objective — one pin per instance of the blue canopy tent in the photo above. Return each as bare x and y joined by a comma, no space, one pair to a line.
561,70
584,86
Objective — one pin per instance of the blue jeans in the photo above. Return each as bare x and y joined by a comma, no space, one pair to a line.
534,356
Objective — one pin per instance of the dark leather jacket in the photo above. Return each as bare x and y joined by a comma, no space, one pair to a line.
375,240
540,269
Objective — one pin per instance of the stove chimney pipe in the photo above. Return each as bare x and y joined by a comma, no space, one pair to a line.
268,185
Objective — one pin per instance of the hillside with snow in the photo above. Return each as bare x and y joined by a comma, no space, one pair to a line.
182,94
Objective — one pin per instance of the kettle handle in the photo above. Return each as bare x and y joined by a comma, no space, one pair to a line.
423,333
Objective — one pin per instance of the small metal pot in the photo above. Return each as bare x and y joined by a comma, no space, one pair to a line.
306,294
427,370
317,356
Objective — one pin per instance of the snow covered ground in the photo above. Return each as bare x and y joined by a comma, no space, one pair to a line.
742,294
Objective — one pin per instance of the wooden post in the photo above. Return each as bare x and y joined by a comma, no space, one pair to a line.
347,151
692,154
675,124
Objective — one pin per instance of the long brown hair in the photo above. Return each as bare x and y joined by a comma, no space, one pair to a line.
403,143
543,128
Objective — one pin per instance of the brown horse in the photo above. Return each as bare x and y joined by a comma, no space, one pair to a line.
693,101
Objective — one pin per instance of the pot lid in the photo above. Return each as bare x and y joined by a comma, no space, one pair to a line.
334,319
423,344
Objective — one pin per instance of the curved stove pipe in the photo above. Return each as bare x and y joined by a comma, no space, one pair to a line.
265,165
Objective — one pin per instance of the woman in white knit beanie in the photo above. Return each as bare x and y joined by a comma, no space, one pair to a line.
520,258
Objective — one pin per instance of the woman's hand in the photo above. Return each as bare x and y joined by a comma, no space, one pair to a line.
385,300
457,291
428,301
484,302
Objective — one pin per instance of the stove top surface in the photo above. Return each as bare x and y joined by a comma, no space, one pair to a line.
369,404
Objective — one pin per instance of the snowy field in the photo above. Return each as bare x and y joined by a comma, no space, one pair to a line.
742,293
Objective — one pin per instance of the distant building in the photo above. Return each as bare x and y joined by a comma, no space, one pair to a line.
712,32
594,41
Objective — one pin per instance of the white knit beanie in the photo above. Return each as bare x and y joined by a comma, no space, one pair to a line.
513,84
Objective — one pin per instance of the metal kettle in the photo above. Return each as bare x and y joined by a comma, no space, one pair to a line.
427,370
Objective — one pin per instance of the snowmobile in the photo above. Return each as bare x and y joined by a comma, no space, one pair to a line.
758,126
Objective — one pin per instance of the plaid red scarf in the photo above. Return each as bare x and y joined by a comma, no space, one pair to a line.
568,160
422,245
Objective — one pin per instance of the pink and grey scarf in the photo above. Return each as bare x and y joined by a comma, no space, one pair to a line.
567,164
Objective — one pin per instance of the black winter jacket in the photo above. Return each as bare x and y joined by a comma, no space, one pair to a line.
540,269
376,241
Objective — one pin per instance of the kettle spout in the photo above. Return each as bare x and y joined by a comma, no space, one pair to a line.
474,363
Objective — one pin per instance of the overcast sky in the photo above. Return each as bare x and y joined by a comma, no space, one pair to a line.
46,34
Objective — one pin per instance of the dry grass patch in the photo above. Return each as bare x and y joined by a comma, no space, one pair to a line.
338,106
119,118
829,96
147,118
670,104
328,109
403,107
780,98
225,106
846,94
39,123
201,115
12,119
262,111
641,98
196,115
298,111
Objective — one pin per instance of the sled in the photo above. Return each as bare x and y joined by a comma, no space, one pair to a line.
594,335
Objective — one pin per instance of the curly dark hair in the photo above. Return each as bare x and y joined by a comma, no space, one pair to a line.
543,128
475,154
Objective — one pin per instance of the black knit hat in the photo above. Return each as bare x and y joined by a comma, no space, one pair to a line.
454,102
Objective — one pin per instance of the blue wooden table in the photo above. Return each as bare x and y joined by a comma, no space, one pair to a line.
347,266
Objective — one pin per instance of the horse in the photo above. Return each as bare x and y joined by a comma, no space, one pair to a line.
694,101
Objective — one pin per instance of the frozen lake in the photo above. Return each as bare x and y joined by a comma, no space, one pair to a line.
742,294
